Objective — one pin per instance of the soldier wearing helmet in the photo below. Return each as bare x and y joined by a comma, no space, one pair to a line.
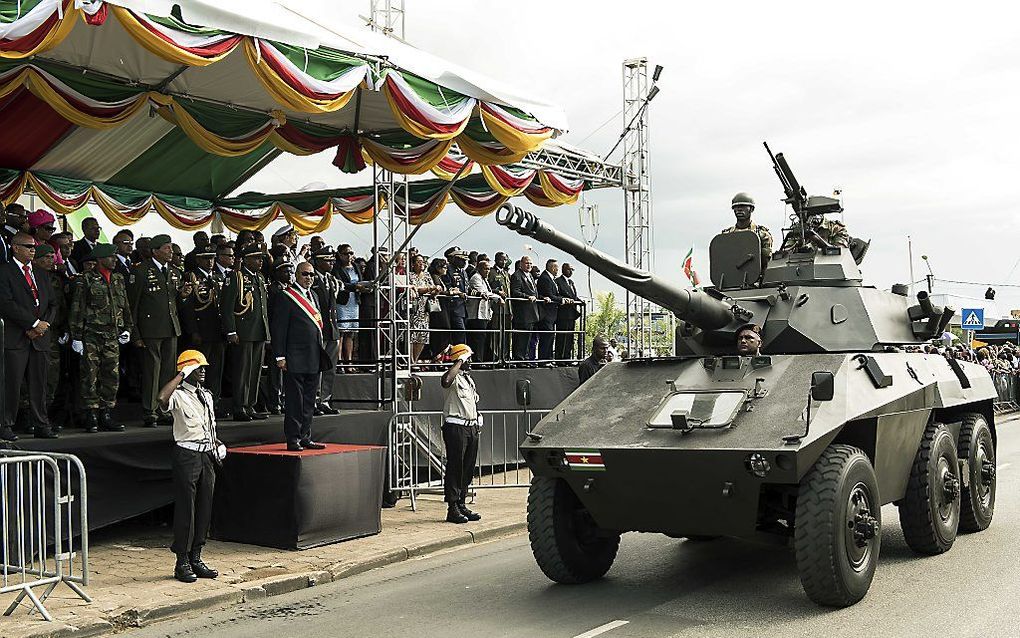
820,232
743,206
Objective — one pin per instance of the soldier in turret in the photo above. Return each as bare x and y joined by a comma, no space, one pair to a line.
743,205
748,340
243,313
200,316
820,232
99,320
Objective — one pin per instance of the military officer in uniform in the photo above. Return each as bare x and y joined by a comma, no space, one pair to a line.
283,275
243,315
99,321
743,206
200,315
327,289
43,262
820,232
152,295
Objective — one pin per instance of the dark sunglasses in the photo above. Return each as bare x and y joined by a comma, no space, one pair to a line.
28,246
49,228
306,274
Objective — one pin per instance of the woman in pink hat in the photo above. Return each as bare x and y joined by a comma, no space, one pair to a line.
43,224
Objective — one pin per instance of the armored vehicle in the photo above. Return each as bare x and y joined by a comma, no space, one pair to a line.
802,442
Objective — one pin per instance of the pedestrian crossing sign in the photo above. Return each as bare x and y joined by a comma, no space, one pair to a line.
973,318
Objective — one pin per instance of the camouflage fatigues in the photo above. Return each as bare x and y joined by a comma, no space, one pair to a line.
831,230
99,313
763,234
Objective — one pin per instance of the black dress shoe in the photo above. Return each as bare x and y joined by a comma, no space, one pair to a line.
201,569
317,412
107,424
295,447
44,433
242,416
275,411
183,571
7,434
222,414
91,422
328,409
149,421
468,514
312,445
453,515
257,416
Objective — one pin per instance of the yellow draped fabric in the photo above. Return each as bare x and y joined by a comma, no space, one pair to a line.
414,128
432,212
483,155
495,185
53,38
283,92
515,140
208,141
553,194
34,82
159,47
482,211
16,190
372,151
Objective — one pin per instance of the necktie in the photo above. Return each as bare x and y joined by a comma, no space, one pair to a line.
31,282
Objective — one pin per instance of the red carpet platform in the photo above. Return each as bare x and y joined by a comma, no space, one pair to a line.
269,496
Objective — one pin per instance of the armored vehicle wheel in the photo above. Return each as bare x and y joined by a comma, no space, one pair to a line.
977,503
930,510
837,535
568,546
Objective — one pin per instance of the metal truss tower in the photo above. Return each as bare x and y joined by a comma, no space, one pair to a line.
387,16
637,199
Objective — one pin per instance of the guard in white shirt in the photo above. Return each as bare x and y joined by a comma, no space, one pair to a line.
196,454
461,426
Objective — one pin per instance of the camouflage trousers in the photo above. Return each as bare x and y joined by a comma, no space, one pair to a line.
100,372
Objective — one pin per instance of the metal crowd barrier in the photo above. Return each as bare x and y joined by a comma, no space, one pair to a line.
1007,390
417,456
44,509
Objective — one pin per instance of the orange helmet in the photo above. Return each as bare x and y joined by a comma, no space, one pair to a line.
458,350
189,358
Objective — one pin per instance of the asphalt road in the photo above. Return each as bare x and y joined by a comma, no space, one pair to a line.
658,587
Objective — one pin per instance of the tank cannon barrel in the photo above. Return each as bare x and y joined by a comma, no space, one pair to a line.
694,306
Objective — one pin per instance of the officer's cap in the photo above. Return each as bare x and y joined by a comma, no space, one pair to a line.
159,241
324,253
41,250
103,250
284,230
208,251
252,250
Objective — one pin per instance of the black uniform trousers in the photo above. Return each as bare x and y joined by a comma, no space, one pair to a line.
159,365
545,339
21,364
215,352
522,337
461,442
478,339
246,367
194,478
299,405
500,337
565,339
271,392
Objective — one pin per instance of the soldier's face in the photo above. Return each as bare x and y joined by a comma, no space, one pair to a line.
164,253
197,377
106,262
44,263
205,263
743,213
748,342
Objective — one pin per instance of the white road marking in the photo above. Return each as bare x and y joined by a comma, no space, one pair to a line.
601,629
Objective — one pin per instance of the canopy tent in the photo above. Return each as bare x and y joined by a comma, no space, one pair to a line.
128,98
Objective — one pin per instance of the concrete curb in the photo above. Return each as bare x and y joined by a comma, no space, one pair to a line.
250,591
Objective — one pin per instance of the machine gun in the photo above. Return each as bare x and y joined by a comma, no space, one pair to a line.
804,206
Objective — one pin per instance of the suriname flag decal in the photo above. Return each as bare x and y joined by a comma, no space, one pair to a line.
589,460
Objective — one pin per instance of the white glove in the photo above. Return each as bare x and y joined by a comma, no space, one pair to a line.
221,451
466,355
78,346
124,338
62,339
187,370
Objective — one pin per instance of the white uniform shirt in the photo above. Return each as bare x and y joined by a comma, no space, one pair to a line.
194,420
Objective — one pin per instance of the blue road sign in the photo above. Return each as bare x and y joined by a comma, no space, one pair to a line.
972,318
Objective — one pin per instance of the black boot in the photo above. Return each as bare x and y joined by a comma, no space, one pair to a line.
183,571
468,514
106,422
198,567
92,421
454,515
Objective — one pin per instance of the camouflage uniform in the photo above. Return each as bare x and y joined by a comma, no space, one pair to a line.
99,313
763,234
831,230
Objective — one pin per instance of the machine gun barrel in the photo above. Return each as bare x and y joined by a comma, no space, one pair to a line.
693,306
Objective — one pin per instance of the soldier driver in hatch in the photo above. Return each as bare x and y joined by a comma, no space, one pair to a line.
749,340
743,206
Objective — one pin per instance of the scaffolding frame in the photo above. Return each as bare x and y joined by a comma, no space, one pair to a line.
637,198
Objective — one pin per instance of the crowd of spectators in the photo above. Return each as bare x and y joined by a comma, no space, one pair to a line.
119,313
1003,358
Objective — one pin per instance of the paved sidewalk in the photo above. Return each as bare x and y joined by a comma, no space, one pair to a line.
132,583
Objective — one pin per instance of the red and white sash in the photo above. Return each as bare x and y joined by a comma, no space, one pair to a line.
305,306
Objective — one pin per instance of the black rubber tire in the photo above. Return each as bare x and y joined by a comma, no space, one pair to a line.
568,546
929,521
977,503
820,540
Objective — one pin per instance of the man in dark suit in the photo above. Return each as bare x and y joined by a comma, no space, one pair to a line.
246,324
152,294
456,282
200,318
83,247
202,245
297,343
548,291
524,306
27,308
567,314
327,290
124,243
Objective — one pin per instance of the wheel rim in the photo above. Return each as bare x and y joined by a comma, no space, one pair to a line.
861,527
984,462
949,493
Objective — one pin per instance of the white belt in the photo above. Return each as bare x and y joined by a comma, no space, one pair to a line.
197,446
456,420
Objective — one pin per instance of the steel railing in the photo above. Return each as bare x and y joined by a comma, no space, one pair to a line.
45,508
417,457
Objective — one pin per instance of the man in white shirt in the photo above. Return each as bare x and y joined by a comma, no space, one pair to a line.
481,306
461,426
196,453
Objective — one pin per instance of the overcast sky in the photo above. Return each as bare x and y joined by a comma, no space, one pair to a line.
910,108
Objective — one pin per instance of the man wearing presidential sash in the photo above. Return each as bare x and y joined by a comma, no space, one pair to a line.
296,331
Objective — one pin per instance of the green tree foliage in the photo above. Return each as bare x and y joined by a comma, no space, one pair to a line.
606,318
